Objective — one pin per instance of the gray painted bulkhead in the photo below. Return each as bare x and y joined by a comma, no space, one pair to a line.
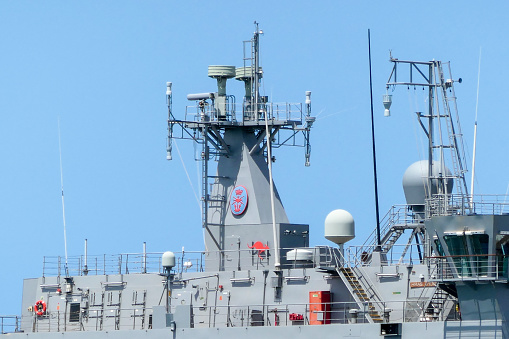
480,279
237,233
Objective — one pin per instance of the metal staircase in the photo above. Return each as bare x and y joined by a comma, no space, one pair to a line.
359,294
457,157
437,304
391,238
393,226
363,293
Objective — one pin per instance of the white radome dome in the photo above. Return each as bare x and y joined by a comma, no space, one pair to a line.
339,226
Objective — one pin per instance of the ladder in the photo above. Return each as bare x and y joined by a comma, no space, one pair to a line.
437,303
359,294
455,142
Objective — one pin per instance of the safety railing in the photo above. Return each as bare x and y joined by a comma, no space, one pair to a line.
397,216
186,261
245,112
195,261
220,316
454,204
399,254
90,320
125,263
362,277
9,324
469,267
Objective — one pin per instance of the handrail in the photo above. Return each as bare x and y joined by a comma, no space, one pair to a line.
367,284
234,316
286,111
9,323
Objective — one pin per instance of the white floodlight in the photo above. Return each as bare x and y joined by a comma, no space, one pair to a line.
387,104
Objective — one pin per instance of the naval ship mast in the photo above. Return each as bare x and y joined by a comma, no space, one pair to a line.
443,129
240,140
435,186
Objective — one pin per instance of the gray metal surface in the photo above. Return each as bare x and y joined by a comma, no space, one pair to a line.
447,279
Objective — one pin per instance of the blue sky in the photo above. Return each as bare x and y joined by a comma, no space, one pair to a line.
101,67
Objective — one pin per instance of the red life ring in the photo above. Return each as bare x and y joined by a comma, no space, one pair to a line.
40,307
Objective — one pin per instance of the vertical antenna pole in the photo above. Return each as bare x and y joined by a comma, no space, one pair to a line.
271,185
309,122
256,49
144,257
378,241
85,267
431,99
170,117
63,204
475,133
256,77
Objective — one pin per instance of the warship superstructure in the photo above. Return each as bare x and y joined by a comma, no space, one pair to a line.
434,267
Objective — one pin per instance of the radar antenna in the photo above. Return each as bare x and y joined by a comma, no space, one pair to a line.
222,128
443,130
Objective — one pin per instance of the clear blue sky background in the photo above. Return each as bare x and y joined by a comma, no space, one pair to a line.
102,66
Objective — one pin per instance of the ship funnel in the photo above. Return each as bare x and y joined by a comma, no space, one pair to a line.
387,104
339,227
415,182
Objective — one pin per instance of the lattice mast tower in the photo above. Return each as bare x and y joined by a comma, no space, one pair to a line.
239,205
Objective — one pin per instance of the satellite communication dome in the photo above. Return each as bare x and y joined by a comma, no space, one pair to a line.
415,181
339,227
168,260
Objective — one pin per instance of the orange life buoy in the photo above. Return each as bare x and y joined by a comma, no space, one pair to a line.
40,307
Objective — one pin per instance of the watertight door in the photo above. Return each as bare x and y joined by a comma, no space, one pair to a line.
319,307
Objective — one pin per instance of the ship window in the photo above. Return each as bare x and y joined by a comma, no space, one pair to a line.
502,252
439,248
480,244
74,313
457,246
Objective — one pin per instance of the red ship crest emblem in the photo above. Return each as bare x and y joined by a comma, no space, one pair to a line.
260,247
238,200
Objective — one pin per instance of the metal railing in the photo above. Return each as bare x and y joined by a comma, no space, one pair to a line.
125,263
362,277
220,316
186,261
469,267
399,254
91,320
455,204
398,215
9,324
195,261
236,112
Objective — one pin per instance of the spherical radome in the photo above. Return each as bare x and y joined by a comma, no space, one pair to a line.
168,260
339,226
415,181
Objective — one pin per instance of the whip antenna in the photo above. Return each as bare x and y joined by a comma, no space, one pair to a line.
475,130
63,204
378,241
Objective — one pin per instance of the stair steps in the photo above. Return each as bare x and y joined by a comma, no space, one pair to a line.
361,293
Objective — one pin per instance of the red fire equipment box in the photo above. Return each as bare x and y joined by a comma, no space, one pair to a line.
319,307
